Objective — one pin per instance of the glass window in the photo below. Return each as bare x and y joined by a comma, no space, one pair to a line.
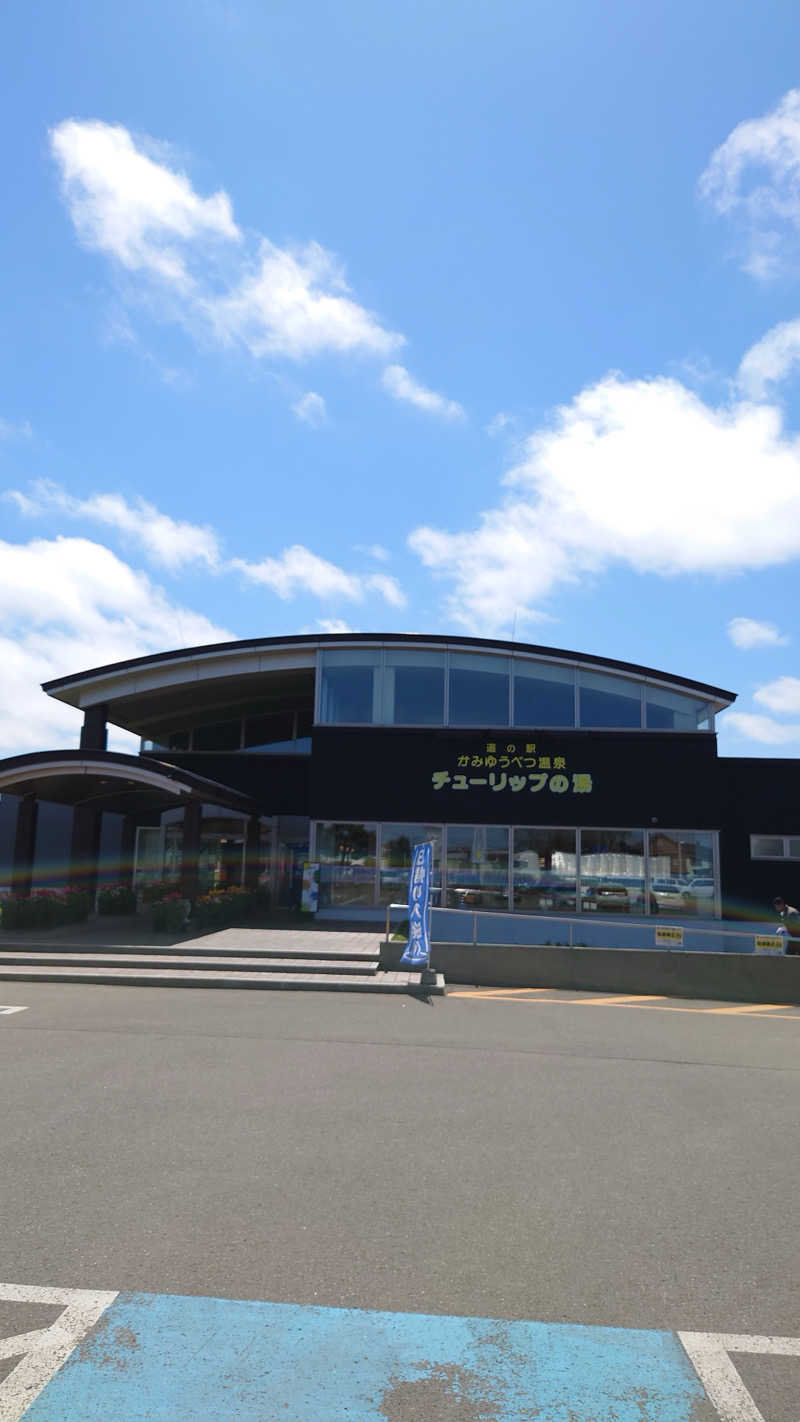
413,688
272,733
612,871
794,848
544,695
763,847
346,854
397,846
682,872
478,690
609,701
179,740
477,866
671,711
222,736
349,684
544,870
149,857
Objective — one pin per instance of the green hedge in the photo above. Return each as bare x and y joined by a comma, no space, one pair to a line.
167,915
223,907
116,898
45,908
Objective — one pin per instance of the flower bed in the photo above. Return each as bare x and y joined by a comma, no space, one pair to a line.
45,908
222,907
159,890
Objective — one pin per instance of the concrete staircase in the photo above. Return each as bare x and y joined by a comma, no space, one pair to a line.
240,958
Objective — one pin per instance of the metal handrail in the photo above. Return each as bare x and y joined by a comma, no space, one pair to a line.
572,920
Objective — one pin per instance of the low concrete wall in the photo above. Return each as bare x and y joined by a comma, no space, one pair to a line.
729,977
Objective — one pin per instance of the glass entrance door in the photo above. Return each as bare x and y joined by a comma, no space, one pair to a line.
220,863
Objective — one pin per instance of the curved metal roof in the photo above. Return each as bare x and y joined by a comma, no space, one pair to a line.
60,687
117,778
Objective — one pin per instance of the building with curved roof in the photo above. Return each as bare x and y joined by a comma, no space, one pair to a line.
546,779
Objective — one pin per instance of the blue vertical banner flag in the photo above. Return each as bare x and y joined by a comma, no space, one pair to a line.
419,907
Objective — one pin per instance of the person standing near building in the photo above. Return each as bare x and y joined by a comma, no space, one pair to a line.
790,925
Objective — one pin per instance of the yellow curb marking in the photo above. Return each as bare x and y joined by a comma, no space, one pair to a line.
650,1004
749,1007
626,1001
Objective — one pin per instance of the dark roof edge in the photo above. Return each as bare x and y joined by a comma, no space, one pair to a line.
212,790
314,639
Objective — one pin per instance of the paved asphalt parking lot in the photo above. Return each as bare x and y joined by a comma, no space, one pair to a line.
521,1156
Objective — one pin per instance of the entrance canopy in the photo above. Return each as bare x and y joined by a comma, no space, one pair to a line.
113,782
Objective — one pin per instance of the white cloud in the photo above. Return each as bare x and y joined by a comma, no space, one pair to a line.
498,423
374,550
745,633
298,570
754,178
295,304
770,360
402,386
639,473
762,728
389,589
132,208
11,431
782,695
169,541
68,604
310,408
176,544
333,625
146,216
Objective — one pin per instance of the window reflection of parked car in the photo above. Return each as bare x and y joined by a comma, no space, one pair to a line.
474,897
668,894
537,896
616,896
701,888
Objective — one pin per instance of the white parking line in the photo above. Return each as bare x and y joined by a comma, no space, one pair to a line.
710,1356
7,1011
45,1350
164,1323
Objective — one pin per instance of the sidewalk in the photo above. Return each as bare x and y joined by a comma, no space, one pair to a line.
133,930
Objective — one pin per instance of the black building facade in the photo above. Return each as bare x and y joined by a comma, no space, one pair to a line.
547,780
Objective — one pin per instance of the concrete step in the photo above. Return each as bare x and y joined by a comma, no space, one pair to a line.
227,963
149,976
192,949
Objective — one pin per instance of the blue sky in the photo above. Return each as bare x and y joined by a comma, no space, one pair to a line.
415,318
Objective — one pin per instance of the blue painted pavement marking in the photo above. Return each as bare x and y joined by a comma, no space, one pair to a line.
162,1357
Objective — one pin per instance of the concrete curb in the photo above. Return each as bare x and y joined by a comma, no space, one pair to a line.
727,977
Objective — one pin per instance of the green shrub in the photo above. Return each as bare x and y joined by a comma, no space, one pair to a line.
168,914
45,908
159,890
116,898
222,907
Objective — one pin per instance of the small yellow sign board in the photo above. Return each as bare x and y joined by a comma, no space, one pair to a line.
669,937
768,943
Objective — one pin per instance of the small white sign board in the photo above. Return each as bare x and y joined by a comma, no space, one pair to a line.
768,943
669,937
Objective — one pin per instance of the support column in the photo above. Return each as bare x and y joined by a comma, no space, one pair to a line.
94,731
127,851
24,846
252,852
192,822
85,848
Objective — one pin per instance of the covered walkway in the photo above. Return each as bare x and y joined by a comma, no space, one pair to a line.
94,783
